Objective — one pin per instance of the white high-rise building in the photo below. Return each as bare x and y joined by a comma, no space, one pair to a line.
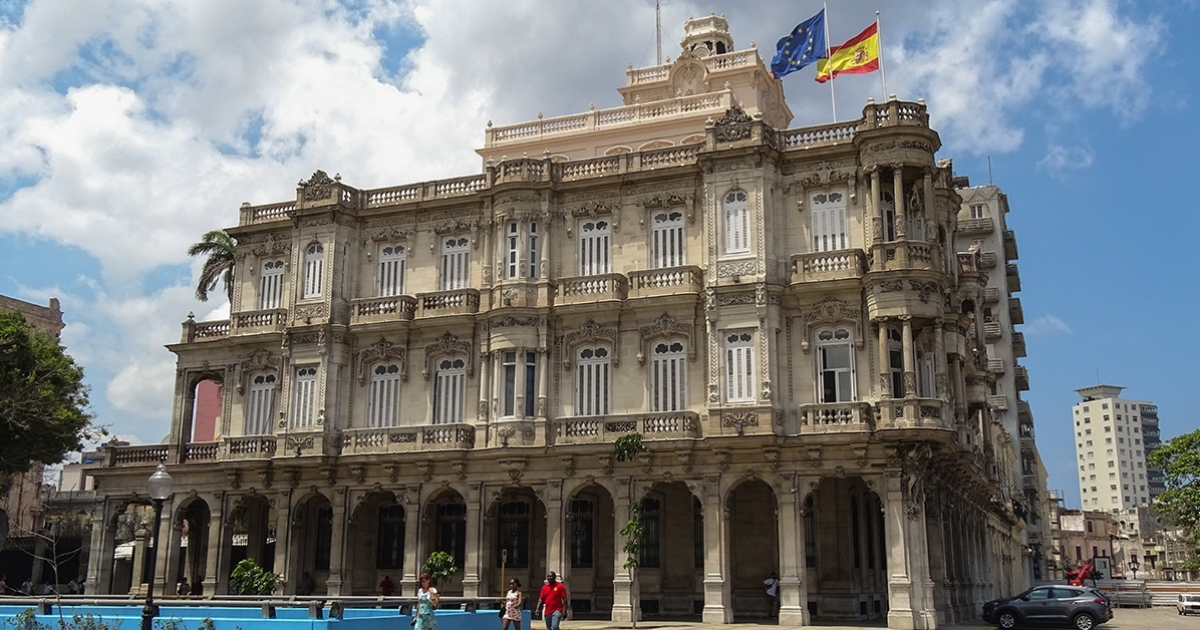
1111,435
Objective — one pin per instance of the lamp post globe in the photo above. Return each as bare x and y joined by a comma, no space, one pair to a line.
159,487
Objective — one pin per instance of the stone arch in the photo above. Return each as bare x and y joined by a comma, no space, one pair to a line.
311,538
672,554
193,521
514,534
617,150
589,541
656,144
752,510
377,526
444,526
844,550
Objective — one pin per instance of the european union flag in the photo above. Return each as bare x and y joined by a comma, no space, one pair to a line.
805,45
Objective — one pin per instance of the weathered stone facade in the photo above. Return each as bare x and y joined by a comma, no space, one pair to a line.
781,314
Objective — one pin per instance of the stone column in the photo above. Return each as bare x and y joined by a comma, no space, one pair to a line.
878,220
900,601
540,409
472,565
793,590
413,556
937,602
100,555
167,563
898,198
286,562
216,560
910,360
625,603
556,559
483,410
717,594
885,373
337,583
140,549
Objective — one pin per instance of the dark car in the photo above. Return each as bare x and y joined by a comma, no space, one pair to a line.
1078,607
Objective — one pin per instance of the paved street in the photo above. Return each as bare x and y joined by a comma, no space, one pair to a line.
1161,618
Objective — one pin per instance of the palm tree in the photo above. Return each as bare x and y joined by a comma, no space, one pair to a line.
221,249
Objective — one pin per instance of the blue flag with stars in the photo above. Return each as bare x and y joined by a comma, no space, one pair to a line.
805,45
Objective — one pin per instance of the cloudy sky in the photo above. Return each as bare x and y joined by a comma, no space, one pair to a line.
130,127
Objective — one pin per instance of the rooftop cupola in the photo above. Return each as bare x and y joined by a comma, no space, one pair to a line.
706,36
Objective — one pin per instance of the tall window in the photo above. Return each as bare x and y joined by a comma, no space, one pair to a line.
512,535
518,241
666,239
739,367
452,529
835,365
889,216
314,269
270,284
582,518
456,254
737,222
512,260
533,250
828,221
390,550
383,401
304,397
926,381
518,373
668,376
324,537
593,382
260,404
593,247
651,550
449,389
393,259
978,211
810,533
896,362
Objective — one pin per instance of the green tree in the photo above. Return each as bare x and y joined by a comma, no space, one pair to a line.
248,578
625,448
439,566
1179,505
221,251
43,401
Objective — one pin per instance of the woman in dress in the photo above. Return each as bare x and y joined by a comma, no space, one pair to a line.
513,602
427,602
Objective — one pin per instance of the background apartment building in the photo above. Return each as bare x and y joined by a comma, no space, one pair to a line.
1112,437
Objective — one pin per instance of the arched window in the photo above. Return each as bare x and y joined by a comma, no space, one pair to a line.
739,367
390,550
835,365
260,404
582,518
666,239
828,210
393,259
896,361
736,211
594,247
651,548
593,381
521,238
668,376
513,534
270,284
304,397
452,529
314,268
455,272
383,402
889,216
449,390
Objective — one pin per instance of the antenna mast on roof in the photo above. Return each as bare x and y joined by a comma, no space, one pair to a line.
658,32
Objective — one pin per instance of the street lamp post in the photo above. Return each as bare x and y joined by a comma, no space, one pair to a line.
160,490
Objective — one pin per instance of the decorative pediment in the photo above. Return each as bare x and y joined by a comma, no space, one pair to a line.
665,326
381,350
735,125
448,343
828,312
389,234
454,226
590,332
508,321
271,245
318,187
260,359
596,207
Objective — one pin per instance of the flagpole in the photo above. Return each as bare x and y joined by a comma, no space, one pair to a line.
832,98
879,40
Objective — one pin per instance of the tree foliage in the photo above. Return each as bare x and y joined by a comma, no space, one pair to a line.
248,578
1179,504
43,401
221,251
440,565
628,445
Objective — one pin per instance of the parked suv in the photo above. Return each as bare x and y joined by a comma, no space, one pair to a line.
1078,607
1188,604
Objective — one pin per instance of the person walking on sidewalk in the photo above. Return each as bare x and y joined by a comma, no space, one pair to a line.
551,602
512,606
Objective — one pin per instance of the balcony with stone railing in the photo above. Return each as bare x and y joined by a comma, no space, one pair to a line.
845,264
591,289
996,366
913,413
1010,245
201,451
248,447
1015,313
999,402
375,310
905,255
265,321
138,455
1024,412
452,302
1018,343
976,226
992,331
412,439
606,429
194,331
1012,277
1021,377
839,418
987,260
666,281
991,295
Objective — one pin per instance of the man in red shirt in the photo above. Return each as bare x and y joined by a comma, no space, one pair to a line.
551,601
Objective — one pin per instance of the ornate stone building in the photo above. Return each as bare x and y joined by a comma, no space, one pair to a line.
444,366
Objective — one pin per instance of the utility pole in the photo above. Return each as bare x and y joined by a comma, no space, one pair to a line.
658,33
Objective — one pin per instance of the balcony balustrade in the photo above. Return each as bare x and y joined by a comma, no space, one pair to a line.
201,451
987,260
588,289
846,264
1012,277
992,331
998,402
909,413
1010,245
265,321
1018,342
848,417
454,302
140,455
194,331
248,447
976,226
996,366
385,440
1021,377
1015,312
665,281
383,309
991,295
606,429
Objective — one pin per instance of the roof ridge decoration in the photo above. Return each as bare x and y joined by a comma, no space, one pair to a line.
319,186
735,125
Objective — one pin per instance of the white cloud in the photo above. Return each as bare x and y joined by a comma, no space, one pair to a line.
1047,325
1060,158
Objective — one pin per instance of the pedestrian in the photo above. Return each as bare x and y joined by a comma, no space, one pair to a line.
27,587
386,586
72,587
3,584
772,584
184,589
427,602
512,606
551,601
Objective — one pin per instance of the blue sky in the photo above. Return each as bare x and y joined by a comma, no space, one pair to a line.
131,127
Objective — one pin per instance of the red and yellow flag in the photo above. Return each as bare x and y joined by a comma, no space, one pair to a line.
859,55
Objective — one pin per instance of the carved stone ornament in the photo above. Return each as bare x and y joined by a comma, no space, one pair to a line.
382,350
735,125
925,289
509,321
270,245
318,187
739,420
448,344
233,478
595,207
389,234
259,359
665,326
832,311
590,332
739,268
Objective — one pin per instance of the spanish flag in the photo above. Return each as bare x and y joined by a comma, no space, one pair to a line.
859,55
